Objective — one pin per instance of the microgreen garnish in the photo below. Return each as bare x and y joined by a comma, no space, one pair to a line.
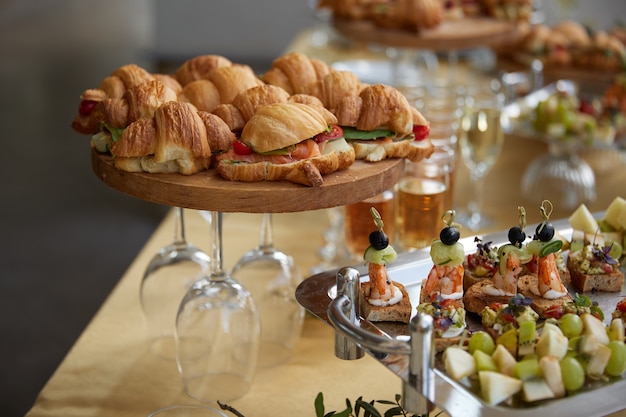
581,300
484,248
517,304
602,254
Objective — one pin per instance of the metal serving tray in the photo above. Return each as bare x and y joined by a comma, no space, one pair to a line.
596,399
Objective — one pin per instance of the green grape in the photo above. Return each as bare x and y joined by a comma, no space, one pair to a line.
572,372
481,340
617,362
571,325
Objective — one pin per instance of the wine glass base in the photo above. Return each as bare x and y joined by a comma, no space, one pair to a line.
219,386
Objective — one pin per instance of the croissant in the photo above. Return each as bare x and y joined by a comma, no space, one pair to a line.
138,101
295,71
219,135
246,103
221,86
127,79
170,82
199,67
282,124
201,93
176,139
380,106
286,126
334,87
124,78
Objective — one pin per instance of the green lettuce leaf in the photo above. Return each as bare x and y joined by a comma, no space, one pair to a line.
352,133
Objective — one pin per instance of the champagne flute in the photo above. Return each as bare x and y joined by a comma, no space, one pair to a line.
481,136
217,332
167,277
271,276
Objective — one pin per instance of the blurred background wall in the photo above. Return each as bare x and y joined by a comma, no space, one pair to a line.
66,238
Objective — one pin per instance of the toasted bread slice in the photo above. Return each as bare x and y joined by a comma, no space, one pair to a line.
584,282
399,312
476,298
470,279
527,286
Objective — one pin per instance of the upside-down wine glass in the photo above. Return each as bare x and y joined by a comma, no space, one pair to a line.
334,253
217,332
271,276
481,136
169,274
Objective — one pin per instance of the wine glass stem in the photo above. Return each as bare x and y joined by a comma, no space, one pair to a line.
216,249
267,232
179,226
475,204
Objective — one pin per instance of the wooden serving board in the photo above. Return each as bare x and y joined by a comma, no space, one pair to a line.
469,33
206,190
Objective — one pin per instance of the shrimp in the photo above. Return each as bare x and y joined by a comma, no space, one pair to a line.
507,284
381,288
446,281
549,281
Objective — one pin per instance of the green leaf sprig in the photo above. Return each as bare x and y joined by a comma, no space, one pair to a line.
365,409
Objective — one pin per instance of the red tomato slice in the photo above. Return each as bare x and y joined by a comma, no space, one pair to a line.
335,132
421,132
621,306
241,148
555,312
86,107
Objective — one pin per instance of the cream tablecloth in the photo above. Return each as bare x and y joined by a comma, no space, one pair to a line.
109,372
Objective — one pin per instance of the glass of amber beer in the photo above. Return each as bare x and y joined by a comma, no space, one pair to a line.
424,194
358,222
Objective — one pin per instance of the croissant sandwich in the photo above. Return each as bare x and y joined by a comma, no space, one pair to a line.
287,141
380,123
179,138
128,83
377,120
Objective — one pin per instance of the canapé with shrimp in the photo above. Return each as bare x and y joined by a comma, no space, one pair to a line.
383,299
503,284
441,294
545,288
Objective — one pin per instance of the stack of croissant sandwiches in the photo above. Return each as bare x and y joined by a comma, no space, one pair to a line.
297,122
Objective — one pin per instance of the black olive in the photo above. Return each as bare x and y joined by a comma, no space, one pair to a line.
449,235
379,239
516,235
546,233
